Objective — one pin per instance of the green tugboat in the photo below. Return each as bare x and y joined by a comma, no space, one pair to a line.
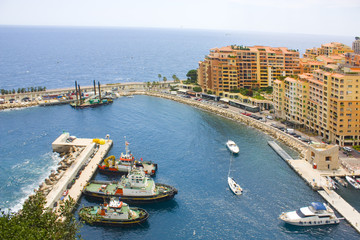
134,188
115,212
94,101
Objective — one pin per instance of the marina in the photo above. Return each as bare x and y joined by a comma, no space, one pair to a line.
189,197
318,182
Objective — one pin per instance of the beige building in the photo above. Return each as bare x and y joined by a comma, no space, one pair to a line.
323,156
356,45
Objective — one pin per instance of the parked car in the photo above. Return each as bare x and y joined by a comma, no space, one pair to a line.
269,117
347,149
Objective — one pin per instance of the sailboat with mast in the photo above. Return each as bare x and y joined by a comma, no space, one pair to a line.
235,188
93,101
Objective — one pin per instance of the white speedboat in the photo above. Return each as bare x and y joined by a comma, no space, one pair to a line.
235,188
332,183
231,145
316,214
352,182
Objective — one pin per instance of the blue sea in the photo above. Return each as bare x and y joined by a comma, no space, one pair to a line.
56,57
187,143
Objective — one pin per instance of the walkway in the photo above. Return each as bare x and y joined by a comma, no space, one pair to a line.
345,209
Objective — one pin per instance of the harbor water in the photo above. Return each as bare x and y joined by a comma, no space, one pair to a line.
189,146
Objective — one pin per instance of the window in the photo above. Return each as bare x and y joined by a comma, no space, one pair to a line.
328,158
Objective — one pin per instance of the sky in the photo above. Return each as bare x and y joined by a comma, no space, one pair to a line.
330,17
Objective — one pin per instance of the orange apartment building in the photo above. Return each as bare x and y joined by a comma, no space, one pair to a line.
352,59
233,67
327,102
328,49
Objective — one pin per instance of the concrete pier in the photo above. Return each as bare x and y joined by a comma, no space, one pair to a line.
84,167
318,182
280,151
344,208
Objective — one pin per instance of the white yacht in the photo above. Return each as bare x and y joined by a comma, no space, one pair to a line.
231,145
352,182
316,214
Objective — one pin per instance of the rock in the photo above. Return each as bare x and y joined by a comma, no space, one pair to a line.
48,181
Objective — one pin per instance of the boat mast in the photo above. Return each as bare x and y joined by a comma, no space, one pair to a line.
80,94
76,93
94,88
99,91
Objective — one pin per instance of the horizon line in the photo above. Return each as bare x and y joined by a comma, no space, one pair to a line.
169,28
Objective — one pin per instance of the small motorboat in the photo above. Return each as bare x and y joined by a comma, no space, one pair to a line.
352,182
235,188
316,214
231,145
341,181
332,183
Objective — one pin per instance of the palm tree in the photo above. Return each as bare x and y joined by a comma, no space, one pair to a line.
164,79
159,76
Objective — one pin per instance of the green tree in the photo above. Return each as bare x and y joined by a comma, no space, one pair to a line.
197,89
209,92
34,221
159,76
192,76
164,79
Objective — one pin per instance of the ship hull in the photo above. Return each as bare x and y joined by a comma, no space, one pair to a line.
135,199
98,220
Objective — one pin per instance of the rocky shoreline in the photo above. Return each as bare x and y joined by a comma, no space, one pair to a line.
67,160
17,105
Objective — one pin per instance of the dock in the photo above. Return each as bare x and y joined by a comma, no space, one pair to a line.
344,208
81,171
284,155
318,182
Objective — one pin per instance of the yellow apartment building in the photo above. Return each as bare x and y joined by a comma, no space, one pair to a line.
235,67
328,49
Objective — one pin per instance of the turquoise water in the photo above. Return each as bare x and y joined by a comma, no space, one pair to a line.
189,146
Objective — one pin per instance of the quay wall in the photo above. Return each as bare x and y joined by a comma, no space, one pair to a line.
121,88
70,174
